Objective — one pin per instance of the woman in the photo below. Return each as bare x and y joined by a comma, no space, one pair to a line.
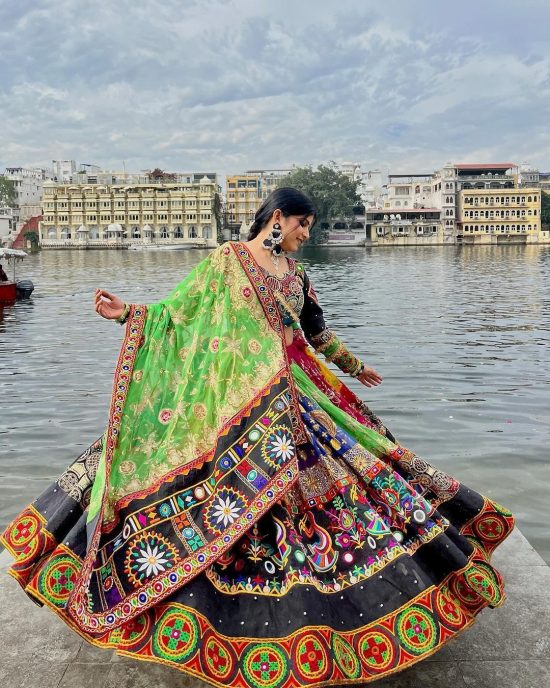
245,518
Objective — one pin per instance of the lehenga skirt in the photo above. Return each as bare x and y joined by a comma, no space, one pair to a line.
371,562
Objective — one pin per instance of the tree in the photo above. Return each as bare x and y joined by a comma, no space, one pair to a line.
545,208
32,237
334,195
8,195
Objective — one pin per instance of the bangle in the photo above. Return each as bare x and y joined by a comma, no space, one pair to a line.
123,317
361,369
335,351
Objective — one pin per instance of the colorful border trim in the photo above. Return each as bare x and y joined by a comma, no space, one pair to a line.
182,638
268,301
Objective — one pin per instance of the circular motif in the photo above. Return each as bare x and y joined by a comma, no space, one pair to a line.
417,630
378,650
165,415
225,507
419,516
490,528
484,581
265,665
254,346
278,446
218,659
447,608
254,435
58,579
345,657
23,531
310,658
176,635
127,467
165,509
148,555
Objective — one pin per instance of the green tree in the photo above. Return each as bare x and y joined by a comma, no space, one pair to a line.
333,194
545,208
32,236
8,195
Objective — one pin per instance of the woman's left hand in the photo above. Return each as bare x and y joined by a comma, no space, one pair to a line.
369,377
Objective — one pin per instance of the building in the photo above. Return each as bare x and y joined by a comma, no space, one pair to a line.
442,207
404,227
63,170
28,183
244,194
119,215
504,215
416,208
372,189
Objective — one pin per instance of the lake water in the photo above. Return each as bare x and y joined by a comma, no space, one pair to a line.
460,335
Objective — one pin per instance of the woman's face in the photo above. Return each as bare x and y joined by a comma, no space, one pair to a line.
295,230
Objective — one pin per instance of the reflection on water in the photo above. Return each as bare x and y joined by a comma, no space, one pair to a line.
459,334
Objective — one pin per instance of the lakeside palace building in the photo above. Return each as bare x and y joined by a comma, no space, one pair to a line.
492,203
135,213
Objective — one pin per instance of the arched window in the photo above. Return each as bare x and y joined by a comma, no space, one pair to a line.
136,234
178,233
192,232
164,232
207,232
52,233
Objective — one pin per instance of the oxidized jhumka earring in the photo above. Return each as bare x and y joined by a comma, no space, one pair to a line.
272,243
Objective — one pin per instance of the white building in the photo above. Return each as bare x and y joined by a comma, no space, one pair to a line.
63,170
28,183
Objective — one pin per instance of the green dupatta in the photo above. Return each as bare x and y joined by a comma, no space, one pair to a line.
201,438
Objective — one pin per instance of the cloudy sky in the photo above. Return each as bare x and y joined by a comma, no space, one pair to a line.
229,85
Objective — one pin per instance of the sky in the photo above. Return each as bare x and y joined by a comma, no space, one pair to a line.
231,85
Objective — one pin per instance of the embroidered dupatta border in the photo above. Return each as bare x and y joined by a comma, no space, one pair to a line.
269,304
162,586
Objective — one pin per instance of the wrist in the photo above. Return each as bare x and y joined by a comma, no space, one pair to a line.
124,315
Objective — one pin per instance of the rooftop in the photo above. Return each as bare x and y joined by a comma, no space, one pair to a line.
485,166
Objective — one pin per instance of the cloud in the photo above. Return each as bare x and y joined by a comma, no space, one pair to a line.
227,85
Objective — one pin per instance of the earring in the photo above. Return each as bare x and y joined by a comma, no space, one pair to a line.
272,243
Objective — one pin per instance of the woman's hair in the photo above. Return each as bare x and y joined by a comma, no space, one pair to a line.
289,200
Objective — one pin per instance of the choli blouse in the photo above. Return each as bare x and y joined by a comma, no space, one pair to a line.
298,299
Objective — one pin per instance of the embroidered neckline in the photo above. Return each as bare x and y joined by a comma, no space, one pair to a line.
291,270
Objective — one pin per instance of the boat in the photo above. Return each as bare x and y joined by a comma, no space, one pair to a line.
165,247
12,290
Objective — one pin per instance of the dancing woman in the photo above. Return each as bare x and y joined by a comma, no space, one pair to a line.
245,517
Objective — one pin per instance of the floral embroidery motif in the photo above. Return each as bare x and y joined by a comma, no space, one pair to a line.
224,509
278,447
147,556
165,416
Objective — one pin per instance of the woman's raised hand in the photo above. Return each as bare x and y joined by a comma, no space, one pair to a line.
107,305
369,377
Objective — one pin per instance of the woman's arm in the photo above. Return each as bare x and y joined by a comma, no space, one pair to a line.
326,342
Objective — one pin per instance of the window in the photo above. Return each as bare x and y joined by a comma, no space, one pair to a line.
192,232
